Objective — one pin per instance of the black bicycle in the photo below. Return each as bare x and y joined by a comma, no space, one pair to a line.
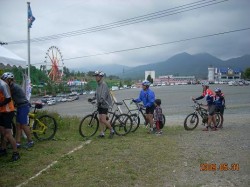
135,110
121,123
192,120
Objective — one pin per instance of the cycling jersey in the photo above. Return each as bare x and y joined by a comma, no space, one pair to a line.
208,95
18,95
219,100
5,94
147,97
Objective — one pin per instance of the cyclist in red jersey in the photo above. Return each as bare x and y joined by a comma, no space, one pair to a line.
209,95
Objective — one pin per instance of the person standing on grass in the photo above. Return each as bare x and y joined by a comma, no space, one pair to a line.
158,117
104,101
6,116
22,109
147,96
209,95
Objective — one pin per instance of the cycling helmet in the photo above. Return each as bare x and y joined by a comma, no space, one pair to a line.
7,75
146,83
217,90
98,73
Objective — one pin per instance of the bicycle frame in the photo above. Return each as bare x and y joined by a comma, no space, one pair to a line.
33,116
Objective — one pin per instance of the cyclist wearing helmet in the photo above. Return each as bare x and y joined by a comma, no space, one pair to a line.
6,116
219,100
147,97
104,101
209,96
22,109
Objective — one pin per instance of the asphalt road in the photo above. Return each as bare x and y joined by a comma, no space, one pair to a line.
176,102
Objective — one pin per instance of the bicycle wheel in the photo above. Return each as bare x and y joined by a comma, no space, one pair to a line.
122,124
191,121
135,122
163,122
88,126
219,120
44,127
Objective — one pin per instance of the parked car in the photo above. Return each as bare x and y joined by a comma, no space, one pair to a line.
51,102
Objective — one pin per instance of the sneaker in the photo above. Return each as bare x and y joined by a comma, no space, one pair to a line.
18,145
29,144
15,156
111,135
101,136
3,152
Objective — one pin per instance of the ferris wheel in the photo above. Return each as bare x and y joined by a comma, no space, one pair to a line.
54,64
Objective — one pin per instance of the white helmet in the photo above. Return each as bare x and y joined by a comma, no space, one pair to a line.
98,73
217,90
146,83
7,75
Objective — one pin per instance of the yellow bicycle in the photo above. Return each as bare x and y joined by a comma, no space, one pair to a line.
43,127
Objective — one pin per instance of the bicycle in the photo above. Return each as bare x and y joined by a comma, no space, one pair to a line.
135,110
121,123
192,119
43,127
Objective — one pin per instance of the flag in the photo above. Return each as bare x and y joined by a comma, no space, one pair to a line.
26,86
31,18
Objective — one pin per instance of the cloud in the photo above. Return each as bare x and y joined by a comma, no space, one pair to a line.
62,16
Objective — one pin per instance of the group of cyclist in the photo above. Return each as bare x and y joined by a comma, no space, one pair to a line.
215,103
12,96
146,96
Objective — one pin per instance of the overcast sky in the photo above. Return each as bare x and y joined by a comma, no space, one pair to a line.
62,16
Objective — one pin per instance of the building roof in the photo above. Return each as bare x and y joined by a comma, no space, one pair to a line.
225,70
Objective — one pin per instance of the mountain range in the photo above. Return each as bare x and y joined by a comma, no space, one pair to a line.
182,64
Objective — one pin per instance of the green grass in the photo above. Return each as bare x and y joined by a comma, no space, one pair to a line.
138,159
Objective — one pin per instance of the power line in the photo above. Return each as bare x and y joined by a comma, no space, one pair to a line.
130,21
165,43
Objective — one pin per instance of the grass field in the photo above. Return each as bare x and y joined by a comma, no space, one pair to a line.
138,159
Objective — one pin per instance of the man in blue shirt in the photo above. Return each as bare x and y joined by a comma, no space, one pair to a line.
147,97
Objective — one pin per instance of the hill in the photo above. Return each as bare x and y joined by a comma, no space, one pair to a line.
185,64
182,64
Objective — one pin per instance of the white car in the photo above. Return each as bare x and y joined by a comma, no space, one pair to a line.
51,102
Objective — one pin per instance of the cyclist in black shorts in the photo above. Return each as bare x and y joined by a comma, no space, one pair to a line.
147,96
104,101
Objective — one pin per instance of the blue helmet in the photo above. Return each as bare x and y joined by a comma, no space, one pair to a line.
146,83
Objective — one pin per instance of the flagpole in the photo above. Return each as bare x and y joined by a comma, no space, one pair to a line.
28,41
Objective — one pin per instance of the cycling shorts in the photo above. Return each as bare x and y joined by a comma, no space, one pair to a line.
211,110
22,115
102,110
150,110
220,109
6,119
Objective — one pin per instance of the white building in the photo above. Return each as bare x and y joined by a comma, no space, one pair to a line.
223,74
151,73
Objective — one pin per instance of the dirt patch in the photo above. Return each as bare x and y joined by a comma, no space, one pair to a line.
225,148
